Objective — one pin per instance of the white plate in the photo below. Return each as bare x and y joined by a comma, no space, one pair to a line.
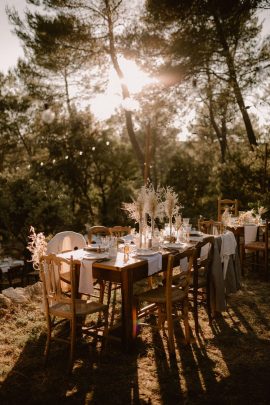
173,245
94,248
97,256
145,252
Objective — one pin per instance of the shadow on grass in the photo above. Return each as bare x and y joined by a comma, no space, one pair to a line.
227,363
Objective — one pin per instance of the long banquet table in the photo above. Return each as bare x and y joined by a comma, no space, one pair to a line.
127,272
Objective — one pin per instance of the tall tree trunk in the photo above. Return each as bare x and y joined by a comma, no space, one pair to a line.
67,91
125,92
233,79
220,133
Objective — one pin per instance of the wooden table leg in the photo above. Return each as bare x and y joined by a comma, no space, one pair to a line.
128,327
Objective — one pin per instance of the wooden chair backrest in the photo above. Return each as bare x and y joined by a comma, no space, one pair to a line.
98,231
119,231
50,274
204,255
227,203
210,227
183,276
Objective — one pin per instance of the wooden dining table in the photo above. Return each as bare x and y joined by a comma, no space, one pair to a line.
125,271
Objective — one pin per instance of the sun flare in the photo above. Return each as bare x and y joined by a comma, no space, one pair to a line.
104,105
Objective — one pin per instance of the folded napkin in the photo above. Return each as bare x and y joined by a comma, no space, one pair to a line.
86,285
154,263
86,274
184,264
250,232
228,247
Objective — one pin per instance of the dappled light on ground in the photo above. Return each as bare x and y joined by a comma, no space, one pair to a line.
228,361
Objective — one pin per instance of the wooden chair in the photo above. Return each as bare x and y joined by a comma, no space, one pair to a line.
60,308
97,232
200,283
174,292
227,203
119,231
63,242
259,250
210,227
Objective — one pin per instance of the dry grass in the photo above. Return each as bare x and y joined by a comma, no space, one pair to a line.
227,363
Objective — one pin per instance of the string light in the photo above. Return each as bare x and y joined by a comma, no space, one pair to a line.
80,153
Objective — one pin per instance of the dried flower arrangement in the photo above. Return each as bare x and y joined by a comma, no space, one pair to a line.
262,210
136,210
154,207
150,202
171,206
37,246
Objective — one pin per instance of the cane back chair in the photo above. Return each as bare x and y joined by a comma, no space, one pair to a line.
60,308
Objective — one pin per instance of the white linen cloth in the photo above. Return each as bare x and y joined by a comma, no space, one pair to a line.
6,265
86,285
228,247
86,272
250,233
67,240
154,262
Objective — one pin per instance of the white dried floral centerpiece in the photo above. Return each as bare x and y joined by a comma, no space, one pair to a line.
37,246
262,210
247,217
171,206
154,205
136,210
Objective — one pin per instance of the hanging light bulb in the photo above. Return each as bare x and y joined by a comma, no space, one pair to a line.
47,115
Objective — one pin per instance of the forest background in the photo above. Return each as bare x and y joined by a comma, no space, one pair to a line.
63,167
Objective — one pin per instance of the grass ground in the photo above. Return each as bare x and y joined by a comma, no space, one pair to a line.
227,363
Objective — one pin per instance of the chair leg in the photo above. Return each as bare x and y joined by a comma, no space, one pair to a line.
72,343
48,339
195,309
113,305
186,323
106,329
170,329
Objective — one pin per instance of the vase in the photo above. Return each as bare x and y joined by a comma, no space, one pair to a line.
140,234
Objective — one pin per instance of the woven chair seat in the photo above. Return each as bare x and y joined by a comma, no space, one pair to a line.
256,245
82,308
158,295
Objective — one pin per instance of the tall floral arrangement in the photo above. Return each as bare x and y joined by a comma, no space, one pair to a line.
262,210
37,246
171,207
136,209
154,205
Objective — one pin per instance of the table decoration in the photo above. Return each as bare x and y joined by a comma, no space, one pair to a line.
136,210
37,246
153,206
171,207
